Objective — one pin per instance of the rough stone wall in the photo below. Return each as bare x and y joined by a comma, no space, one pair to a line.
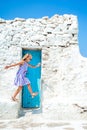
63,68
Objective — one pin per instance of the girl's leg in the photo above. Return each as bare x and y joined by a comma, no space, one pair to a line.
16,93
30,90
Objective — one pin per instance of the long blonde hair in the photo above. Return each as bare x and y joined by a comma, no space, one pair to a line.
26,56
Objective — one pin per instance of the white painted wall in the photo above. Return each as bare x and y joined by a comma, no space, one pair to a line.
63,68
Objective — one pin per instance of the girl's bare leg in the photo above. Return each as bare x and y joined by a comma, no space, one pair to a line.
30,90
16,93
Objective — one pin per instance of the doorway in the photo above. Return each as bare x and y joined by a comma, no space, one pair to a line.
34,75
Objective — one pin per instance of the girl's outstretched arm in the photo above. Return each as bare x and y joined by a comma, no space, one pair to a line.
16,64
34,66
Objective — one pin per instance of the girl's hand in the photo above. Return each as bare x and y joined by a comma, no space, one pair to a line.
39,64
6,67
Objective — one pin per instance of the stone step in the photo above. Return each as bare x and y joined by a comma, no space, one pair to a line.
8,109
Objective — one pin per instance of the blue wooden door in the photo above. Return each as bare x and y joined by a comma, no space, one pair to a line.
34,75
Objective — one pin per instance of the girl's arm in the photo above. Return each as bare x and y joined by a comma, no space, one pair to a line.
34,66
19,63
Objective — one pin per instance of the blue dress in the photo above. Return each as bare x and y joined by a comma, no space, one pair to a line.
21,79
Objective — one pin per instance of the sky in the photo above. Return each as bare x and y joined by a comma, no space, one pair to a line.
10,9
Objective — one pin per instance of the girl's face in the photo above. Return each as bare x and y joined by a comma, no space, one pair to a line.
28,58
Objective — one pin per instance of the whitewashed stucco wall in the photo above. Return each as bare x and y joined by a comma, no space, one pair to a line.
64,77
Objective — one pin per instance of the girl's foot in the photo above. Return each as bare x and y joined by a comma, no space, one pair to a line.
14,99
34,94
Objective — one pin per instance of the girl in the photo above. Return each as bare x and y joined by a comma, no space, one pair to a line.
21,79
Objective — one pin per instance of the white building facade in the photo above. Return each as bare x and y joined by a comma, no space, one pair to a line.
63,74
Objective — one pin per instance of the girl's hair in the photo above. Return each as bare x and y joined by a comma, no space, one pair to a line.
26,56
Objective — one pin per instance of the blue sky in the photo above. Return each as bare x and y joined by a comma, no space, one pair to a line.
9,9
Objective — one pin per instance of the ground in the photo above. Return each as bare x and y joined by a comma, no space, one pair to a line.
20,124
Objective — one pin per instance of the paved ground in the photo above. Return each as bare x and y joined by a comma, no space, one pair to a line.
60,125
